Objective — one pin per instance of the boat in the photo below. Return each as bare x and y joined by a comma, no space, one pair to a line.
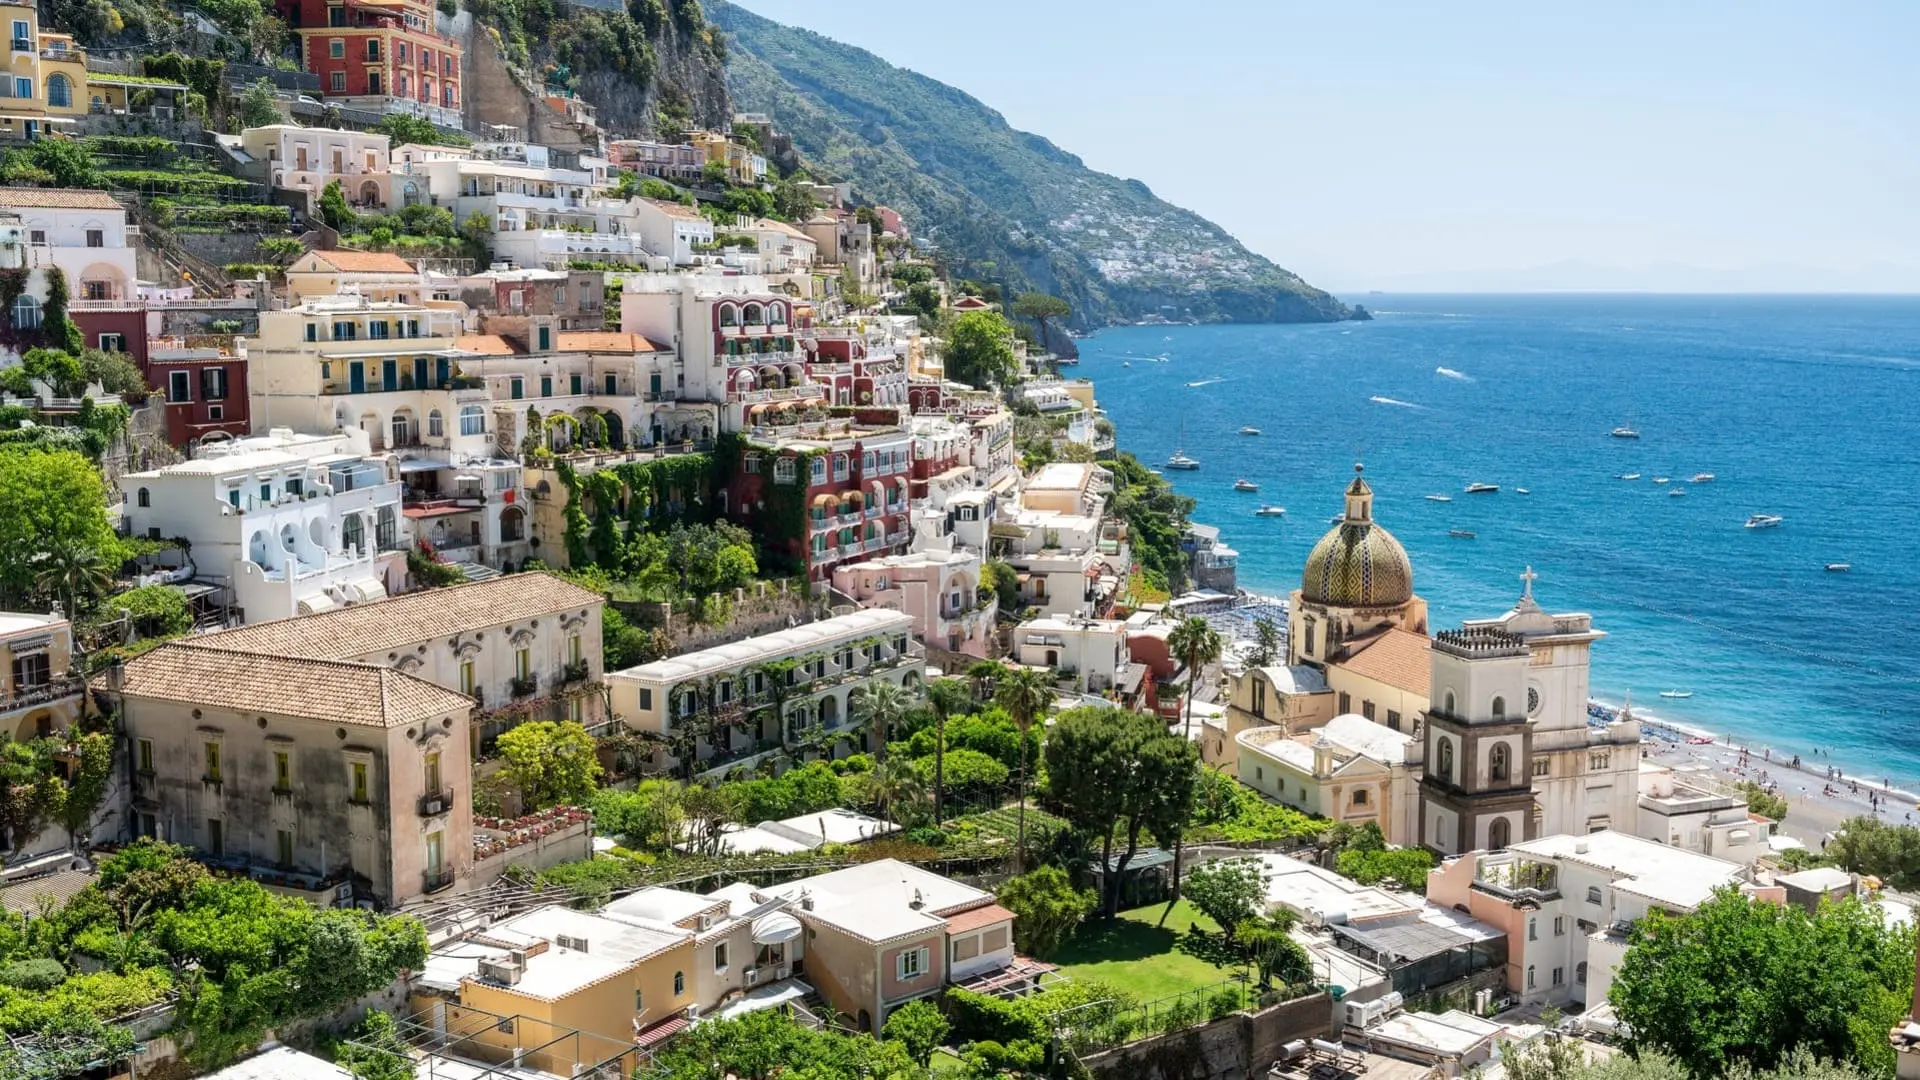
1521,491
1676,693
1460,534
1629,476
1249,430
1624,431
1482,489
1245,485
1337,519
1439,498
1180,460
1270,511
1674,493
1701,478
1126,363
1839,567
1764,521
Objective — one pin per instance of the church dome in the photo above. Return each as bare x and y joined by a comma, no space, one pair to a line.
1358,563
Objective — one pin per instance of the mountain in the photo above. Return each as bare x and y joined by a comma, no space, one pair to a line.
999,204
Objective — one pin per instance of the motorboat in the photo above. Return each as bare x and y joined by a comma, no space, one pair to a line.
1245,485
1180,460
1482,489
1197,383
1249,430
1461,534
1764,521
1674,493
1439,498
1270,511
1663,480
1676,693
1624,431
1629,476
1337,519
1839,567
1521,491
1126,363
1701,478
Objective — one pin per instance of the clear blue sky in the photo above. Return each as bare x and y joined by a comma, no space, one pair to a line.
1366,145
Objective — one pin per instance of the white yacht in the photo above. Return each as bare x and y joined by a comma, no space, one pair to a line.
1482,489
1180,460
1839,567
1764,521
1701,478
1629,476
1249,430
1439,498
1625,431
1245,485
1674,493
1676,693
1270,511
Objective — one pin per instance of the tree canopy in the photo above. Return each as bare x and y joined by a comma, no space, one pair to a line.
1120,776
550,763
980,350
52,503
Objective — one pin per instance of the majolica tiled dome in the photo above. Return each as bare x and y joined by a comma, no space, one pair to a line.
1358,563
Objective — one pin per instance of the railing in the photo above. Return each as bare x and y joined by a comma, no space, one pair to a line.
435,803
59,687
575,672
435,880
523,687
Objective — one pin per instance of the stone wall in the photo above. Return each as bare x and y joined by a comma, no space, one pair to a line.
1237,1047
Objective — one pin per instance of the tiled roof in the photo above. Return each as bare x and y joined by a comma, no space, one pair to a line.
57,199
975,918
410,618
613,341
484,344
366,262
195,672
1396,657
673,209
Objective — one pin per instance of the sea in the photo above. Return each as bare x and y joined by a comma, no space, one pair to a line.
1804,407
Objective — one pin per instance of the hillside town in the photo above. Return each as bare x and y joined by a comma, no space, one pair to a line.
487,601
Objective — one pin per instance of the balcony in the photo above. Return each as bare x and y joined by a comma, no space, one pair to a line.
31,696
523,686
435,880
576,672
664,396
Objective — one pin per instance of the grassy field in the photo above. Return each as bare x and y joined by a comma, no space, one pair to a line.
944,1061
1138,954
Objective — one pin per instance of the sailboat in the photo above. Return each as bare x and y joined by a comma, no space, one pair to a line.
1180,460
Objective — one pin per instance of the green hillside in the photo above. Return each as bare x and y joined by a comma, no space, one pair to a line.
1001,205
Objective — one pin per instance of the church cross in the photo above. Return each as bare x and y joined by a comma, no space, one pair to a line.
1527,578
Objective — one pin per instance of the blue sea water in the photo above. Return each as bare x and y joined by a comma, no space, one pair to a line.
1801,406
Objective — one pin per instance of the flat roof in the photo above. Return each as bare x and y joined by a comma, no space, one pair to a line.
1305,888
1646,868
753,649
282,1063
13,622
876,901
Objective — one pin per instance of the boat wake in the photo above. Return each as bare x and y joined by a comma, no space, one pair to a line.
1395,402
1452,374
1205,382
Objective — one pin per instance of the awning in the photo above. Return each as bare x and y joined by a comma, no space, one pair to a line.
417,512
775,929
769,996
660,1032
366,590
316,603
420,465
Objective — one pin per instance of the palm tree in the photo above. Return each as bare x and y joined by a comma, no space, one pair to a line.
948,697
71,570
879,703
897,790
775,674
1197,643
1025,693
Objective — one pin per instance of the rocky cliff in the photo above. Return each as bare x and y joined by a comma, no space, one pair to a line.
1000,204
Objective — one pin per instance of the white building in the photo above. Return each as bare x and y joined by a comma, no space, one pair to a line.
727,688
83,234
735,336
669,229
310,158
1688,815
282,525
1092,652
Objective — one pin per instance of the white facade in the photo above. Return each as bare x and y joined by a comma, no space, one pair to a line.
668,229
309,159
1695,818
1092,651
1351,770
83,233
288,524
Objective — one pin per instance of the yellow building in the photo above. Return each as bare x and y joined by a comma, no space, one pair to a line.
47,76
39,695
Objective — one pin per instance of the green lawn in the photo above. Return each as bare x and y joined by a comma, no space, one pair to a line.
1138,954
945,1061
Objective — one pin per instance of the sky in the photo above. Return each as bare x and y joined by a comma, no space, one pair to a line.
1762,145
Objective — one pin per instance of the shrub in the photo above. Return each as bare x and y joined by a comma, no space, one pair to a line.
41,974
154,610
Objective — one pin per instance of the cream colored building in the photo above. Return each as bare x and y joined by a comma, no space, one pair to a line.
310,158
343,782
375,275
1350,770
1290,700
39,693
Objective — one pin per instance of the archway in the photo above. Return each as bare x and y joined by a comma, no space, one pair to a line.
370,194
1499,834
616,430
829,712
353,533
513,525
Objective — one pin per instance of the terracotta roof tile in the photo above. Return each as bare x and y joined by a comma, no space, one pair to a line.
57,199
1396,657
613,341
409,619
366,262
196,671
485,344
975,918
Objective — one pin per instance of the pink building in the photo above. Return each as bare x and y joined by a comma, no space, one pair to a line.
939,589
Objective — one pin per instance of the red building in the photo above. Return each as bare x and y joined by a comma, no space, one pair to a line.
380,49
854,498
204,390
114,326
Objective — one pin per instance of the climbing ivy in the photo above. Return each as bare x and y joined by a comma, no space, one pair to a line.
655,495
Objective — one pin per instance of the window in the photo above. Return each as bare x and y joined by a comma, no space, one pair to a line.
1497,765
546,338
519,389
26,313
337,81
359,782
282,771
1593,895
284,849
432,770
720,957
1393,719
1450,705
1445,767
912,964
1559,976
216,843
819,470
345,331
143,498
145,751
60,96
613,385
473,421
1580,973
1259,772
1366,709
546,386
1533,929
1499,708
1359,796
466,677
373,48
23,88
783,471
213,383
313,334
1529,976
1541,767
1346,703
638,1006
575,385
1559,926
679,983
522,662
1598,761
22,35
1499,834
212,753
646,697
337,49
436,424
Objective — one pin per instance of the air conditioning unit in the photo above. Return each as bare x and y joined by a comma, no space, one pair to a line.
784,971
435,804
753,975
693,1012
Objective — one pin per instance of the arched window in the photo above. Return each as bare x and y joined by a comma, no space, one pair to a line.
729,315
26,313
1497,761
1593,895
59,92
1499,708
820,470
143,498
1449,708
866,462
436,424
402,429
473,420
754,315
1445,766
353,533
1499,835
1580,973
